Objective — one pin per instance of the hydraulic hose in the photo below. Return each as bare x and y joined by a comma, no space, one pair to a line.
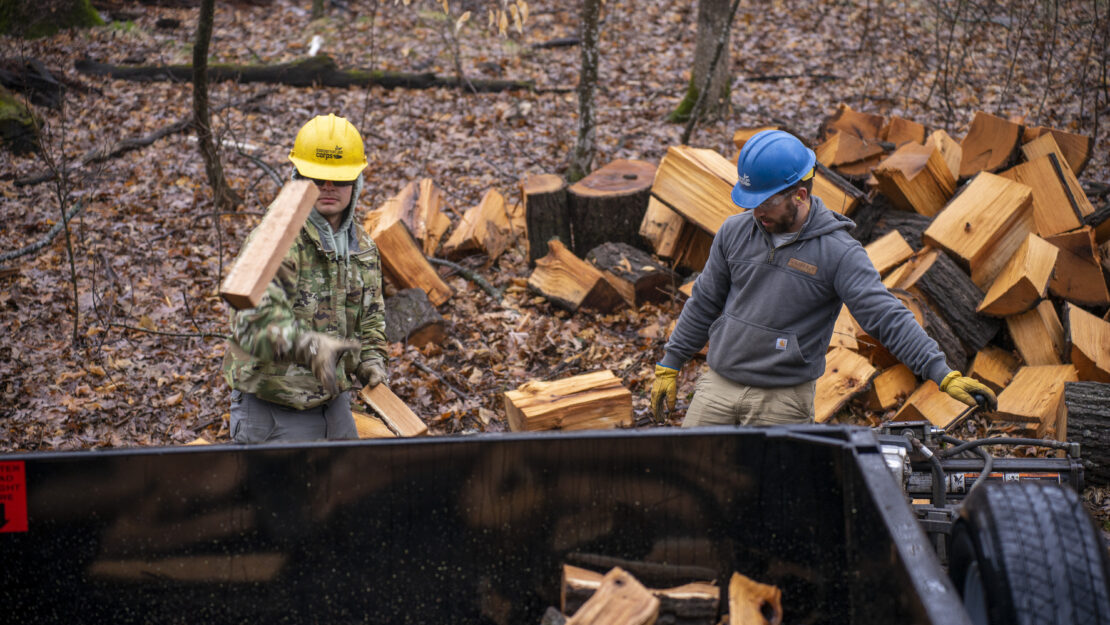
1001,440
940,491
988,464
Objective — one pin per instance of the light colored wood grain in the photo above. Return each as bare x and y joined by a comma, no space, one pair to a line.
994,367
846,374
1034,396
596,400
258,262
394,412
1038,335
1089,341
1023,281
697,185
888,251
620,600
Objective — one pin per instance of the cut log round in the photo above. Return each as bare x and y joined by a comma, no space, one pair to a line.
411,317
609,205
635,275
545,213
1088,423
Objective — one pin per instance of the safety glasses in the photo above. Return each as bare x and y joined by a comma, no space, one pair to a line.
337,183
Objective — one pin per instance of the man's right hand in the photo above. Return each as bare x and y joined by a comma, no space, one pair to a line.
321,352
663,389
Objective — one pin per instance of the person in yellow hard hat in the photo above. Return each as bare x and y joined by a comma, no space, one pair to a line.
322,318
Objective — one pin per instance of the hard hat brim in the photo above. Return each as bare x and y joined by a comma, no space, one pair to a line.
338,173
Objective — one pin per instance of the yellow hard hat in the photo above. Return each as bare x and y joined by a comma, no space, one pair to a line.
328,147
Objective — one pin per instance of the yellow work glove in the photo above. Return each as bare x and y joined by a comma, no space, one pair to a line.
665,387
963,388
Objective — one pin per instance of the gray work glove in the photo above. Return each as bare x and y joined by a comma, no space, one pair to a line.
321,353
371,372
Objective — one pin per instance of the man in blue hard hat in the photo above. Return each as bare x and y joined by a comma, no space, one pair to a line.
770,295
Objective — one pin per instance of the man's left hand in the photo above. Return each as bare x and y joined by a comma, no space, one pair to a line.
964,389
371,372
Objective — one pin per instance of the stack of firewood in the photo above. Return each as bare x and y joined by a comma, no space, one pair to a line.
990,241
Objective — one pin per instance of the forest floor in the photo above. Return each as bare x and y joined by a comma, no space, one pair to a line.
121,344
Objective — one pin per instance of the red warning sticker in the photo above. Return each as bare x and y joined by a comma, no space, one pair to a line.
13,497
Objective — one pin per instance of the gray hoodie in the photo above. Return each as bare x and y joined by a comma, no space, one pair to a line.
768,313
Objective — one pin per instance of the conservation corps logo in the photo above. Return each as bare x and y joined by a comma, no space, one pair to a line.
328,155
745,180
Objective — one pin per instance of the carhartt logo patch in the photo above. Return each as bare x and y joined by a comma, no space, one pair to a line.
333,154
780,343
802,266
745,181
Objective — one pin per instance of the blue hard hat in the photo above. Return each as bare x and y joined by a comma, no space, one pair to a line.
772,160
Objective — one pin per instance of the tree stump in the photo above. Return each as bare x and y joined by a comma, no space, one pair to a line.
1088,423
411,317
545,213
634,274
609,204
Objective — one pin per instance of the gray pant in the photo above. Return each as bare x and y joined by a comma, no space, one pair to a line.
255,420
720,401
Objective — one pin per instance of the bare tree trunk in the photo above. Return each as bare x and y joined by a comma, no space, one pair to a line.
582,160
224,196
713,25
317,9
721,50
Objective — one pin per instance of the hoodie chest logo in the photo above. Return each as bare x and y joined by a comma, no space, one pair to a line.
802,266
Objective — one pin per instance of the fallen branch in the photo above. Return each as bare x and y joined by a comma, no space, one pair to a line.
473,276
426,369
45,240
203,335
99,155
320,70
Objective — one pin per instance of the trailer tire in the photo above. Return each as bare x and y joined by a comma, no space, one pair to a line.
1028,553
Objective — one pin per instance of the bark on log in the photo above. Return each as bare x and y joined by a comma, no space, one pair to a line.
879,217
609,204
1088,423
635,275
954,296
937,328
545,213
411,317
320,70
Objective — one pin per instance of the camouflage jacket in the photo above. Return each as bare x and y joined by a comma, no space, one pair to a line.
313,291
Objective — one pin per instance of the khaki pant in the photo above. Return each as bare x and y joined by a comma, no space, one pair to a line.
718,401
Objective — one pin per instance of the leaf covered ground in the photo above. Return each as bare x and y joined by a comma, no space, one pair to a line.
123,348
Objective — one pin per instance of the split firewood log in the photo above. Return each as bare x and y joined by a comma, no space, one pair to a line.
589,401
572,283
1059,203
1035,396
994,367
984,225
411,317
1023,281
419,205
846,375
929,403
697,184
1038,335
991,145
484,228
609,204
1075,148
916,178
937,328
633,273
1079,276
1088,341
394,412
891,387
900,131
404,263
258,262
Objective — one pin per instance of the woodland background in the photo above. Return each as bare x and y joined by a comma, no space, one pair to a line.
111,336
